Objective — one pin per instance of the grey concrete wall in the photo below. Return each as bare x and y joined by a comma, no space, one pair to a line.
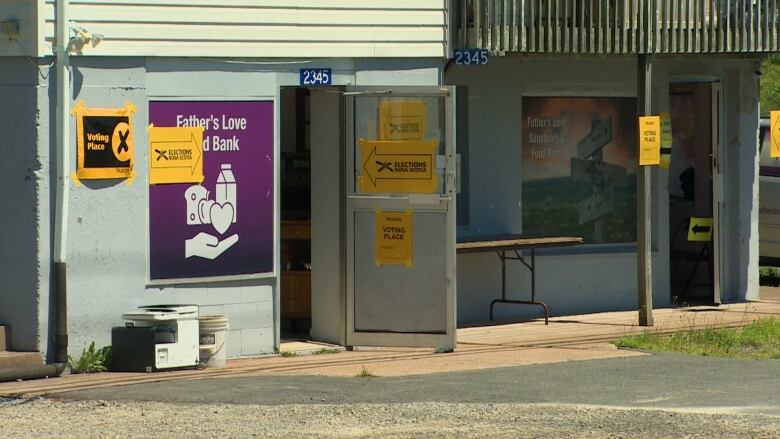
107,242
589,278
24,186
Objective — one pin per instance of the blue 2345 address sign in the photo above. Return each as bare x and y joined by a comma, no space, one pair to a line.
316,77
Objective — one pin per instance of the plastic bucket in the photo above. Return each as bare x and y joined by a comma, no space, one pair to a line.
213,335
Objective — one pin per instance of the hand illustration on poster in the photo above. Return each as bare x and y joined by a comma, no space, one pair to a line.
220,214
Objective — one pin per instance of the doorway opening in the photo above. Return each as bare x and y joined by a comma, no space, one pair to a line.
693,207
295,200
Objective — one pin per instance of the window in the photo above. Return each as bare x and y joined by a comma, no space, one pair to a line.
579,168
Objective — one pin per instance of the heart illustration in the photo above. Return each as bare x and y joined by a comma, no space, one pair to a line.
221,216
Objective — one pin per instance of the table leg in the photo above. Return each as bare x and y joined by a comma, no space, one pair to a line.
532,268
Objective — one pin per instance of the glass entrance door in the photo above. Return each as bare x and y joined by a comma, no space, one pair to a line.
400,216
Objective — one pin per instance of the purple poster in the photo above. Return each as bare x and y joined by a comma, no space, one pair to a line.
224,225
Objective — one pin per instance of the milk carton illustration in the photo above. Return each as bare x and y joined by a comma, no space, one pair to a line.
226,189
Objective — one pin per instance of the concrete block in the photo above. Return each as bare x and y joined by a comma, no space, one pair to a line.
257,293
3,339
242,316
257,341
234,344
211,310
224,295
265,314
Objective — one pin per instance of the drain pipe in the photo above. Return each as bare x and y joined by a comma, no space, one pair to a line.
61,213
32,373
62,184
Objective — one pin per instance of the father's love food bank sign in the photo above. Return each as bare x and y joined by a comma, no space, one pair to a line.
223,225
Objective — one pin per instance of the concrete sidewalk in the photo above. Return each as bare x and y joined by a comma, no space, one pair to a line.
566,338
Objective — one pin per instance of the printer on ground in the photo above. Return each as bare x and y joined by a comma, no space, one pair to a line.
156,337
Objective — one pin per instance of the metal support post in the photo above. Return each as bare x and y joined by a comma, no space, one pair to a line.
643,203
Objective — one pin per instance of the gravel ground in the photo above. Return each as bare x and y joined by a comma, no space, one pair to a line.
116,419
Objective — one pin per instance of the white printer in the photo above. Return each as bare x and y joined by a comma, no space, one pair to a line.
156,337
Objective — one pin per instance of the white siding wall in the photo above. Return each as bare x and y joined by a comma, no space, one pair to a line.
30,21
261,28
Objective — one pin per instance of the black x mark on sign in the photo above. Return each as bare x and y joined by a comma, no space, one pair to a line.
161,155
383,166
123,142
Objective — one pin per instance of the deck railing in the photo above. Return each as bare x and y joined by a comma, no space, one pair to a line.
619,26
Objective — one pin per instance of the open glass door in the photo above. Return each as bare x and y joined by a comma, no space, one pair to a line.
400,216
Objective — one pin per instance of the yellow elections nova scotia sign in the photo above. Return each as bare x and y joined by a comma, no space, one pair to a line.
175,155
398,166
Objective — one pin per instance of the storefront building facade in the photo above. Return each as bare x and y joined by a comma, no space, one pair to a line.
297,217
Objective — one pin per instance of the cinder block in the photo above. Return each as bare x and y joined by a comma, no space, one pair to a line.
234,344
3,339
257,341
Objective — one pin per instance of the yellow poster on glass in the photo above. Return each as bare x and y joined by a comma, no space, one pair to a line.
398,166
649,140
402,120
105,146
394,238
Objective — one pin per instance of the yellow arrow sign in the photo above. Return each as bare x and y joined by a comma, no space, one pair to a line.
398,166
700,229
175,155
774,136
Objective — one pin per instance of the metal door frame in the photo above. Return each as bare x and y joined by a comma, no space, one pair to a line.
717,189
444,203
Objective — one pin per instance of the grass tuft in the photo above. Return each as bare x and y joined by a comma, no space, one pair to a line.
288,354
92,360
365,373
325,351
757,340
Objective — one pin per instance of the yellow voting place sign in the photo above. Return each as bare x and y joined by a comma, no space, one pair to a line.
774,126
649,140
402,120
700,229
394,238
105,142
398,166
175,155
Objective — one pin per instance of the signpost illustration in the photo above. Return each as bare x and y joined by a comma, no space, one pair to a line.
589,168
398,166
175,154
